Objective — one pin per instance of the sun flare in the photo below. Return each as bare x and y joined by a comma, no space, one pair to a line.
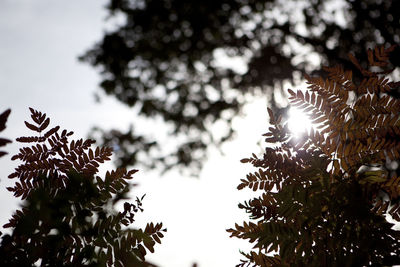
298,122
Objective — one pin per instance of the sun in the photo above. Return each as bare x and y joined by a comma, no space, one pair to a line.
298,122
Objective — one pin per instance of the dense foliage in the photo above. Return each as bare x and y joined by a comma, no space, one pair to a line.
325,197
68,217
175,60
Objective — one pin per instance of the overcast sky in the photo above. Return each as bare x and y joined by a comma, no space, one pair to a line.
39,44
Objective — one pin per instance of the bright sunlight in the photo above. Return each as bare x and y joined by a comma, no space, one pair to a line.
298,122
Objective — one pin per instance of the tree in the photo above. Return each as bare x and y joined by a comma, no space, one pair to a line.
163,60
69,216
4,141
325,196
3,120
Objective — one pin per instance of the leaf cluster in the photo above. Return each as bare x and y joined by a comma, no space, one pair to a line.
3,120
324,197
68,217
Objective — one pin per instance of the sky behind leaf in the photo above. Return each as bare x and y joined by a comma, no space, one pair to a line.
39,45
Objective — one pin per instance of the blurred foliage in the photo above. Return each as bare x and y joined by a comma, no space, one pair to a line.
69,216
325,198
3,120
178,60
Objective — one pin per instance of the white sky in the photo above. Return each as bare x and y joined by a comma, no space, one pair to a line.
39,44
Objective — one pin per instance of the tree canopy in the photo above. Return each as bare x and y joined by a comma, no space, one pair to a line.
68,217
325,198
175,60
